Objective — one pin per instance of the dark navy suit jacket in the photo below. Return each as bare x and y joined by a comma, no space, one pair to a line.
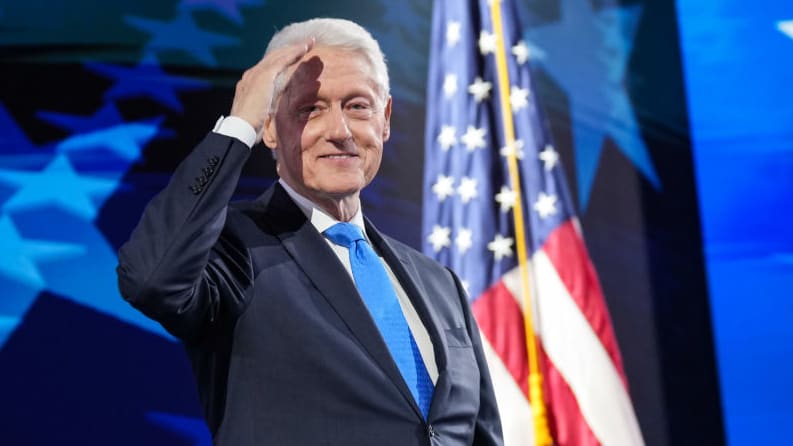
283,348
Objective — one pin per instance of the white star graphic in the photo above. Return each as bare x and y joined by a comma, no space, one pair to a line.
450,85
521,52
480,89
515,148
545,205
439,238
487,42
447,138
467,189
452,33
464,240
518,97
786,27
474,138
506,198
443,187
501,247
549,157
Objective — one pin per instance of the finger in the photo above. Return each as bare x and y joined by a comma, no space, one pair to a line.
283,58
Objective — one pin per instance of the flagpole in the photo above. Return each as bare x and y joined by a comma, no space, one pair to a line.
542,435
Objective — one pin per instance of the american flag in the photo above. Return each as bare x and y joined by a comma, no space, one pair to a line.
484,219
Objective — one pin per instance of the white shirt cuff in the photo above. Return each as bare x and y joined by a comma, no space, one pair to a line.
236,128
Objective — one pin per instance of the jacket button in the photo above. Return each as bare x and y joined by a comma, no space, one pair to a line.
431,431
208,171
202,180
213,161
195,189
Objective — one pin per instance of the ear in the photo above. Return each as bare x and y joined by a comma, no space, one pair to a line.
387,124
269,132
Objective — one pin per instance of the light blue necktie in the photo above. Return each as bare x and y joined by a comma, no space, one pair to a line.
378,293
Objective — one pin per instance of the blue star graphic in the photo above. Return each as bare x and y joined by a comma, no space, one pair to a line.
106,116
89,280
12,138
182,34
125,140
193,429
20,256
586,52
7,325
57,184
229,8
146,80
20,276
106,129
16,150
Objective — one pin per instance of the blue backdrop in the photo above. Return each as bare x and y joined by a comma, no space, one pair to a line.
738,59
673,121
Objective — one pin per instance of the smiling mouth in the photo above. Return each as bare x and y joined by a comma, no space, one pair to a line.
340,156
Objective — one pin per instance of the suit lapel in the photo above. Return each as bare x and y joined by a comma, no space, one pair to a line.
408,277
311,253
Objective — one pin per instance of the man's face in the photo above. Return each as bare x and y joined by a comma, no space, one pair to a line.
329,126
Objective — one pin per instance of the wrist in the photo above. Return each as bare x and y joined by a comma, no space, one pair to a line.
236,127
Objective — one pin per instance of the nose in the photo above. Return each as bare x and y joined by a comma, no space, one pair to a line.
338,130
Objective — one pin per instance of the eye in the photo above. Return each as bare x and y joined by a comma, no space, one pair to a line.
310,110
360,109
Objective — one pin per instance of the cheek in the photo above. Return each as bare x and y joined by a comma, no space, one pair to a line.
310,136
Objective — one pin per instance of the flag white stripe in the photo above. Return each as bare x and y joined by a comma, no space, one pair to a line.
576,352
516,419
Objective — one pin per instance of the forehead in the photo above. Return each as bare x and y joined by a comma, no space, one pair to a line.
328,69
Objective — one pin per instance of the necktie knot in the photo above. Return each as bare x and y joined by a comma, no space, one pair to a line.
344,234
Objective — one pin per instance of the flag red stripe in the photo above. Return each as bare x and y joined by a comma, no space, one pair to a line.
567,424
500,320
567,252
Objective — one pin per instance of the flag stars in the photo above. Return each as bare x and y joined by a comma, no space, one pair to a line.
521,52
474,138
549,157
464,240
440,237
518,97
501,247
448,137
450,85
487,42
468,189
545,205
452,33
514,148
443,187
506,198
480,89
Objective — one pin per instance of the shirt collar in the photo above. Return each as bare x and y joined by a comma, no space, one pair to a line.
320,219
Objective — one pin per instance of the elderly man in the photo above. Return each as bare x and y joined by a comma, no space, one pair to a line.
304,324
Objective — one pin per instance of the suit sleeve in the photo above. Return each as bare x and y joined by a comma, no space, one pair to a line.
178,267
487,429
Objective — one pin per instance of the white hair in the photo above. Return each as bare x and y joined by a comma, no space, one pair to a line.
335,33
